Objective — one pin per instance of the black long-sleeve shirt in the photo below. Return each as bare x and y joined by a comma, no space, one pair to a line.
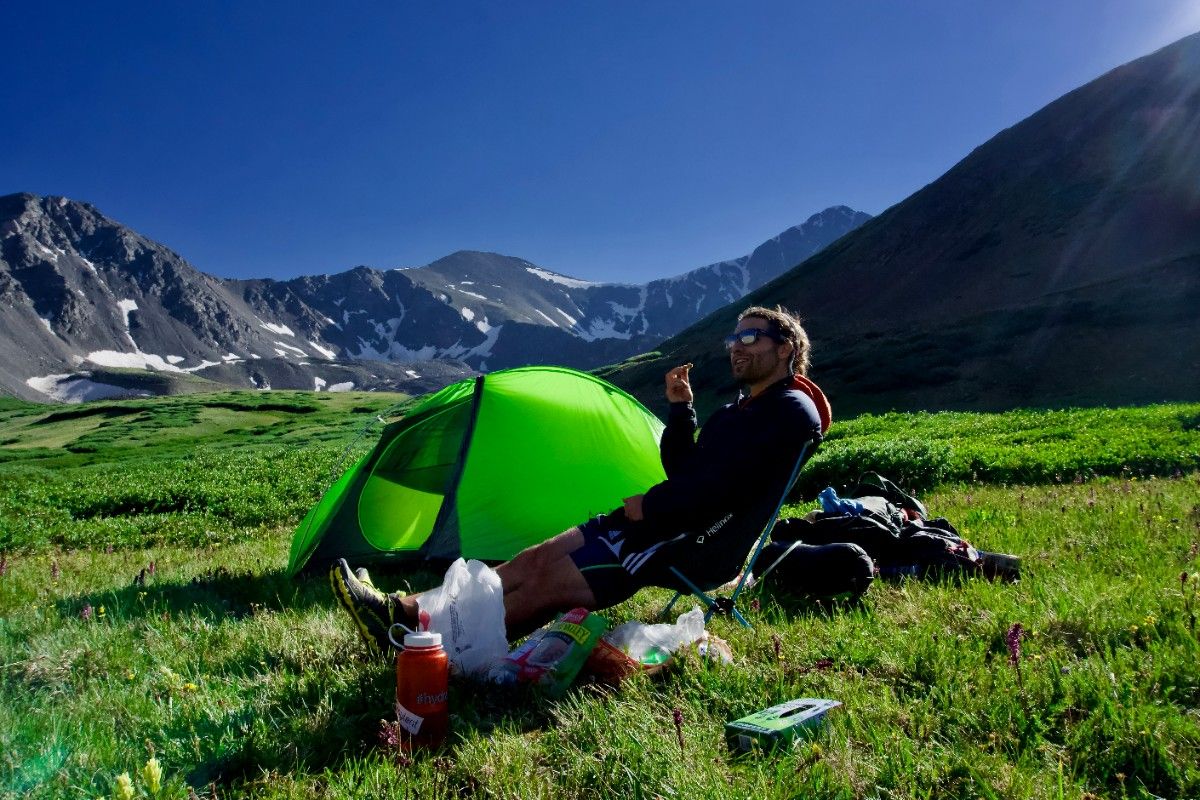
721,487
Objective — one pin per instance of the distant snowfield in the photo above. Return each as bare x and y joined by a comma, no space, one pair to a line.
140,360
135,360
67,389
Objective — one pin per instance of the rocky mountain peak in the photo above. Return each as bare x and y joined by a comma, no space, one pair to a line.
78,289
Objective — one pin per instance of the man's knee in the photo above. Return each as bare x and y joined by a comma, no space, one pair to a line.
543,557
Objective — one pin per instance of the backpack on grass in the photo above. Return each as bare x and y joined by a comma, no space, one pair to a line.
892,527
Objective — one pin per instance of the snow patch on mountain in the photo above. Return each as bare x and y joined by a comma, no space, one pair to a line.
126,306
554,277
325,351
292,348
402,353
282,330
135,360
342,387
603,329
77,389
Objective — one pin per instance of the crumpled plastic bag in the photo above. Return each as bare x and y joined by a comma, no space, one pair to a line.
654,644
468,611
637,646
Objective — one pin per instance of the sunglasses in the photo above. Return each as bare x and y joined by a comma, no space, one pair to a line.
748,337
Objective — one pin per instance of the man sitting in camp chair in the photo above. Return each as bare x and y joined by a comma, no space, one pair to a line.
703,519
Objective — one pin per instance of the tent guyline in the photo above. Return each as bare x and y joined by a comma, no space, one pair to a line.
484,468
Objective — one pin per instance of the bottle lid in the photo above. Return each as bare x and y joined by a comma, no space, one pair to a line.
413,638
423,639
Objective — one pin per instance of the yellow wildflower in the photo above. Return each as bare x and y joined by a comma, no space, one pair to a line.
130,675
190,687
124,788
100,612
152,775
1133,628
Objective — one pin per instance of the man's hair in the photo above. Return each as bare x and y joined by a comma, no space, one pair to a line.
785,327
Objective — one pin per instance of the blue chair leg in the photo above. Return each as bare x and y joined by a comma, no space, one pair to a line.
711,603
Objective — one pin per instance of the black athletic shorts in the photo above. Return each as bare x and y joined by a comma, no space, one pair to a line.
615,569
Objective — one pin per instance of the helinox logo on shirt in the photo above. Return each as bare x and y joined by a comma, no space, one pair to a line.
715,528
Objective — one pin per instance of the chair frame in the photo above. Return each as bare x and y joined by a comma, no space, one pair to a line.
728,605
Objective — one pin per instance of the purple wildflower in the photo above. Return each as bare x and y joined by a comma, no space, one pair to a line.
151,569
391,739
1013,640
677,718
54,570
86,613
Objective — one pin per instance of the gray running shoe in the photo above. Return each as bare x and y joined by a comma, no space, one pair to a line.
373,611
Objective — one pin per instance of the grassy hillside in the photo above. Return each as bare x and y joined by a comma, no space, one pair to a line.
197,469
144,612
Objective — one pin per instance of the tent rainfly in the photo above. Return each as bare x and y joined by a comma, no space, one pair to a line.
485,468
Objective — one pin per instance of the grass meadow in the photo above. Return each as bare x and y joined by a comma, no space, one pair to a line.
145,614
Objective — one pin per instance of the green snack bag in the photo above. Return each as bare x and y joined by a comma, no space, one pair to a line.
564,648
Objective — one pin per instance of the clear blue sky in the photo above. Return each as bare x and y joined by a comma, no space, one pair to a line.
606,140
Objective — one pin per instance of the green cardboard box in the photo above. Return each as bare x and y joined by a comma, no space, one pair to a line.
777,725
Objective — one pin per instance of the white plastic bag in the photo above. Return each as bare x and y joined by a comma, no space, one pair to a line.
654,644
468,611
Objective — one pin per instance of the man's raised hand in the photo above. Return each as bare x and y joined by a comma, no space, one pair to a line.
679,390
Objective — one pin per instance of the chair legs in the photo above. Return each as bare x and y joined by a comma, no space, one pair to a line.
724,605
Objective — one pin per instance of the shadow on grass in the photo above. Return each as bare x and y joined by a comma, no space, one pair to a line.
215,594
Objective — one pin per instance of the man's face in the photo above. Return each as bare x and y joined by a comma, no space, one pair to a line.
754,363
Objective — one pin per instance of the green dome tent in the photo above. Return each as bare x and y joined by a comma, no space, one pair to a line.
484,468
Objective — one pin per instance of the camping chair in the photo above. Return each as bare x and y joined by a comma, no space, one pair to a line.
728,605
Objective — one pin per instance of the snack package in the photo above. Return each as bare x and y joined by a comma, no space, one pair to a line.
553,656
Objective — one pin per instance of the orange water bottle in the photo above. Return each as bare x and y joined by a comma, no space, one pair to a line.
422,682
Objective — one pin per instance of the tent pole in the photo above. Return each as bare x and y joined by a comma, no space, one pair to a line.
447,508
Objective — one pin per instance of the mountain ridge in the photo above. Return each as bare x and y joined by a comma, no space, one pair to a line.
78,289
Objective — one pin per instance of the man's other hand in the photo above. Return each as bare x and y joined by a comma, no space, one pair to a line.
679,390
633,508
